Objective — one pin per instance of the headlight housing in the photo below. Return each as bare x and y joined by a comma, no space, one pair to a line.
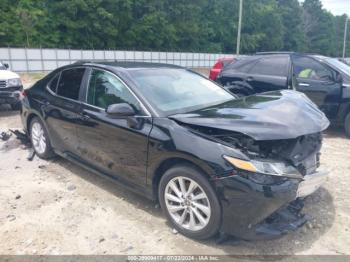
265,167
14,82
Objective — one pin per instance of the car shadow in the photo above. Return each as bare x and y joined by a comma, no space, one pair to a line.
115,189
319,207
335,132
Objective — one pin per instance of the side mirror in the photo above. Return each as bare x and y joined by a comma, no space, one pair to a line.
120,110
338,78
6,66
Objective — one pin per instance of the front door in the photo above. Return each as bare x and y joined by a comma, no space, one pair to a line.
318,82
115,146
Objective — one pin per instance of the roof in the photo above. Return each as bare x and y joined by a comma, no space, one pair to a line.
125,65
275,53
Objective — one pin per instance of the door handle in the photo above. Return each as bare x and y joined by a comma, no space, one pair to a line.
304,84
250,78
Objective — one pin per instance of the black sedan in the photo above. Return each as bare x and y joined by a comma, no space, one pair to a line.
216,164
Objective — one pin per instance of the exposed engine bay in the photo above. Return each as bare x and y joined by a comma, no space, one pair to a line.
301,152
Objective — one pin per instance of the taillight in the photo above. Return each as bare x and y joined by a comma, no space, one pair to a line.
23,93
219,65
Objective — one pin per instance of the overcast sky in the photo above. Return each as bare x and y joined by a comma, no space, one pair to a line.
337,7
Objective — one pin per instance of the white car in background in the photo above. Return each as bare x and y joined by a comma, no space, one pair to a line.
10,87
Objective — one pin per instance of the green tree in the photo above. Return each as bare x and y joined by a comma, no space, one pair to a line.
318,27
182,25
292,19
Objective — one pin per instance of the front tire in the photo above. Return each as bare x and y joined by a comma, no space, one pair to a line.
347,125
189,202
40,139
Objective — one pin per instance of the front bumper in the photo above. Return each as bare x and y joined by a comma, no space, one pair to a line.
255,212
10,95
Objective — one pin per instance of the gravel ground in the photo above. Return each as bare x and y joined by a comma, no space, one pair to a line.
56,207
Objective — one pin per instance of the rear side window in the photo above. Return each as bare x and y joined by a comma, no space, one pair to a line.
53,83
271,66
243,65
70,82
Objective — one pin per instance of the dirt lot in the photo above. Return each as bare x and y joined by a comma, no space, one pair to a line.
56,207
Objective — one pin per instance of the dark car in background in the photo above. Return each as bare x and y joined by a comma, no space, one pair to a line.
214,162
218,66
326,81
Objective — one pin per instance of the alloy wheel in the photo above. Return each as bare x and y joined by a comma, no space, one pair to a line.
187,203
38,138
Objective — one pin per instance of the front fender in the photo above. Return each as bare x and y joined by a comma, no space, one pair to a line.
170,140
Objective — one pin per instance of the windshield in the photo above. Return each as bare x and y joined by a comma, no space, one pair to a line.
174,91
2,67
339,65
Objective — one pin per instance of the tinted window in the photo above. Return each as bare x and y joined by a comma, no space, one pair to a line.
172,91
308,68
339,65
106,89
272,66
242,65
53,83
70,82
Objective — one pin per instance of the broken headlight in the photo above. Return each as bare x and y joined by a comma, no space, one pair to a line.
265,167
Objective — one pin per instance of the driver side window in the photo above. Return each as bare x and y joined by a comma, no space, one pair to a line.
105,89
307,68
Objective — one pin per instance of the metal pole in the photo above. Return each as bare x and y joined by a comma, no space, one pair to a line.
345,34
239,26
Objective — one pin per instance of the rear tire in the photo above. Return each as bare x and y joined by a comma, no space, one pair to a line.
347,125
40,139
193,209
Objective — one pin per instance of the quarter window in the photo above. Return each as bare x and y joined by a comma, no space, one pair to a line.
70,82
105,89
53,83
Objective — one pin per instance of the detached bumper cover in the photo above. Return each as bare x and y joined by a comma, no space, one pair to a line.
311,183
255,212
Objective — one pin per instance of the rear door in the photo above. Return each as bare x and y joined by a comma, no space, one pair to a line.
115,146
269,73
318,82
62,109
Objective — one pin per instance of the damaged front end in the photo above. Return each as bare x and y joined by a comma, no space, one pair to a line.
264,193
278,136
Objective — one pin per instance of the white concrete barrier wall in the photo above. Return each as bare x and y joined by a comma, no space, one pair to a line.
34,60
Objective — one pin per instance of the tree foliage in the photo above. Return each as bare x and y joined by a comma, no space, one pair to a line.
196,25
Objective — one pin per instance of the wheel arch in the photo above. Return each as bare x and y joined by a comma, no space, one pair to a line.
30,118
31,115
168,163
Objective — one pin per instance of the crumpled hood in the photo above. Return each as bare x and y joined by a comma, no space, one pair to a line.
269,116
6,74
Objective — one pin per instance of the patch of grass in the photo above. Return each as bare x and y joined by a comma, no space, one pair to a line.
30,78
